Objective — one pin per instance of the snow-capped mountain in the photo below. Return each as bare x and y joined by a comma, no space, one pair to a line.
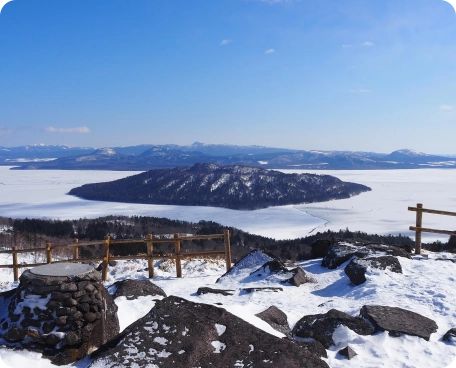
236,187
146,157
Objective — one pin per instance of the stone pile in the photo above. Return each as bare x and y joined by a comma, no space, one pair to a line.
61,310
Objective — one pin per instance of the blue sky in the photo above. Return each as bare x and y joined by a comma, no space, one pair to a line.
371,75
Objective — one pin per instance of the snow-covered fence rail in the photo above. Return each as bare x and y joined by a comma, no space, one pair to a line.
418,228
149,241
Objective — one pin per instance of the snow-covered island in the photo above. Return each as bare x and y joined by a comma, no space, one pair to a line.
235,187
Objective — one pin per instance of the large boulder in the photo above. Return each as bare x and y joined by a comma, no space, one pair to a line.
357,268
132,289
399,321
322,326
342,252
177,333
276,319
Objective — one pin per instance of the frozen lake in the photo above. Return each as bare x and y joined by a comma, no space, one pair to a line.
383,211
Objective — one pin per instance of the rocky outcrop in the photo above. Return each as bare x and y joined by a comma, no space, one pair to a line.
132,289
347,352
357,268
450,336
399,321
64,317
342,252
208,290
276,319
321,326
298,277
177,333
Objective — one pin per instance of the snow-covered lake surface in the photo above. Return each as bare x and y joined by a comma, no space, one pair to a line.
383,210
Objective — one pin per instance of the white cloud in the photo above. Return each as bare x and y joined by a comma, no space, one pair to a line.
75,130
360,91
368,44
446,108
225,42
3,3
269,51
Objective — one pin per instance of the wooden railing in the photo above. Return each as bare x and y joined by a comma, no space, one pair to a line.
418,228
149,254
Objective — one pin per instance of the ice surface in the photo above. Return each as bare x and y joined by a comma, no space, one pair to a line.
382,211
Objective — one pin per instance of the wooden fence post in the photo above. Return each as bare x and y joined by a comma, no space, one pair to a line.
178,255
48,252
150,251
106,258
76,250
226,238
15,266
419,224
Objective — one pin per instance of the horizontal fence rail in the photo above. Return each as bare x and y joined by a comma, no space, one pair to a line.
107,243
419,229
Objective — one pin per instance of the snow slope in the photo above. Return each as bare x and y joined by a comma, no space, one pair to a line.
426,287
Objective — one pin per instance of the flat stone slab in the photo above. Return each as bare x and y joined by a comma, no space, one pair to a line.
62,270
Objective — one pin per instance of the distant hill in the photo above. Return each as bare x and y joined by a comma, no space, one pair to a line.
147,157
236,187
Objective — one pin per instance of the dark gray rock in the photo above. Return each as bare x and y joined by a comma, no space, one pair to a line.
450,336
312,346
342,252
357,268
298,277
177,333
276,319
399,321
132,289
207,290
321,326
347,352
266,289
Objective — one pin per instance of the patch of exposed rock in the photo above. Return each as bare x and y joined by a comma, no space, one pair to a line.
276,319
321,326
208,290
399,321
357,268
177,333
342,252
132,289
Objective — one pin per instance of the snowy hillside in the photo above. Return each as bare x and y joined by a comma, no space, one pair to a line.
426,286
236,187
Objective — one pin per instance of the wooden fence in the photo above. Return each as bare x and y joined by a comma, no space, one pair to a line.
149,254
418,228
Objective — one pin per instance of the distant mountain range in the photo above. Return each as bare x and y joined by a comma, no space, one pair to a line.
146,157
236,187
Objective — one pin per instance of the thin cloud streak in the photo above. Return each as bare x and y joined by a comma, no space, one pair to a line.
75,130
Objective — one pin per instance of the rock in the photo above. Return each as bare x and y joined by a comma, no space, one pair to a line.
276,319
342,252
299,277
177,333
357,268
90,317
132,289
321,326
312,346
399,321
246,265
14,334
347,352
111,263
207,290
267,289
450,336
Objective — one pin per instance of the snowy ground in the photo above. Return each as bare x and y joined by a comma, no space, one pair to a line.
426,287
382,211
